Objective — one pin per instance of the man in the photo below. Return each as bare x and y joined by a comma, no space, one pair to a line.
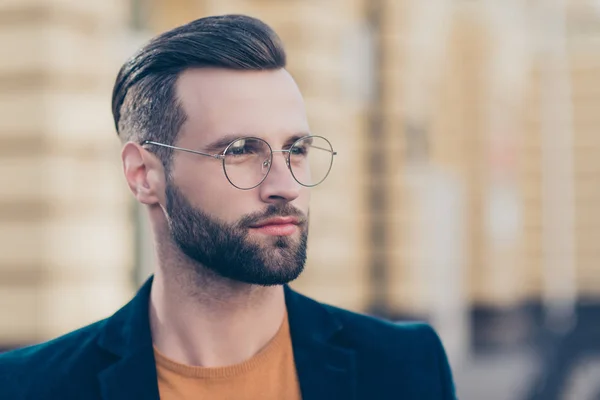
217,146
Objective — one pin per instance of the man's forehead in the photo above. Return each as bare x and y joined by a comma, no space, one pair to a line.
220,101
215,84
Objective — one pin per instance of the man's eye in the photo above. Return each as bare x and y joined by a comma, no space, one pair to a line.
298,150
237,150
239,147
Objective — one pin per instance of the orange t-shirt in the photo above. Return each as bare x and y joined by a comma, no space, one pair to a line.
270,374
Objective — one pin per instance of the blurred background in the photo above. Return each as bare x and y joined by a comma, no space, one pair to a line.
466,191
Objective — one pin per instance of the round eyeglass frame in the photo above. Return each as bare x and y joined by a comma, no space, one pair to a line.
269,160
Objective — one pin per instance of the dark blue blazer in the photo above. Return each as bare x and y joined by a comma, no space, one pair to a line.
338,355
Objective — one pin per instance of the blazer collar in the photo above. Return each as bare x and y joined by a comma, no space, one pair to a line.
127,335
325,370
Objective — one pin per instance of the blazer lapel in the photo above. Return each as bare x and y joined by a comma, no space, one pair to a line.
127,336
325,371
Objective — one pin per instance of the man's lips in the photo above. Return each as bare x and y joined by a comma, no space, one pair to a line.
277,226
276,221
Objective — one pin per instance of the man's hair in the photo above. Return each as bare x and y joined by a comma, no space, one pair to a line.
144,102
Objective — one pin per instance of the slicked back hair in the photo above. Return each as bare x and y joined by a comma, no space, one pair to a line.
144,102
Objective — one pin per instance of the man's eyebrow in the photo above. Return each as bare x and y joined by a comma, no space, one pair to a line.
221,143
297,136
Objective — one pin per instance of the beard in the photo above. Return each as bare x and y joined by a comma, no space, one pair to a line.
226,248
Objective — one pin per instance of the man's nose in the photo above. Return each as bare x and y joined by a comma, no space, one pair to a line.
279,185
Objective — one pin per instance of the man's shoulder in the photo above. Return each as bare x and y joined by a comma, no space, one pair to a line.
59,349
378,337
378,332
51,360
393,352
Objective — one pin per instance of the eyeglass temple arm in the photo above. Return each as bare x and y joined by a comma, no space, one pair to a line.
217,156
221,156
322,148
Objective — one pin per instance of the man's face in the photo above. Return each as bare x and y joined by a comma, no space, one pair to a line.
259,235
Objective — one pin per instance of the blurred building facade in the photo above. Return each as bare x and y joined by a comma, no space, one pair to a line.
66,229
466,190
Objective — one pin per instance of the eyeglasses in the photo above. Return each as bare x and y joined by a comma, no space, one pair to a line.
248,160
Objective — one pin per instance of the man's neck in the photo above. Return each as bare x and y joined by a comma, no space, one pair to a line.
211,321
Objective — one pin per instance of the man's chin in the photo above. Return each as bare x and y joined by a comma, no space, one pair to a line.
290,276
273,241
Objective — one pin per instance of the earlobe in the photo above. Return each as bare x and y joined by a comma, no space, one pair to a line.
139,167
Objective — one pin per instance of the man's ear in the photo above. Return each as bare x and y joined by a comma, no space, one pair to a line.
144,173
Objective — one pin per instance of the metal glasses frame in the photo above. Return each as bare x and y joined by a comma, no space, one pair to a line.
222,157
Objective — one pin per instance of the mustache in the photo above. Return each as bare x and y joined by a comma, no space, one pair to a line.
273,210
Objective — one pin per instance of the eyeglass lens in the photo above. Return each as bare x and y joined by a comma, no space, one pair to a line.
247,161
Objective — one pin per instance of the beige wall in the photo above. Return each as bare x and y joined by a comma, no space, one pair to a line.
65,233
460,144
585,64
